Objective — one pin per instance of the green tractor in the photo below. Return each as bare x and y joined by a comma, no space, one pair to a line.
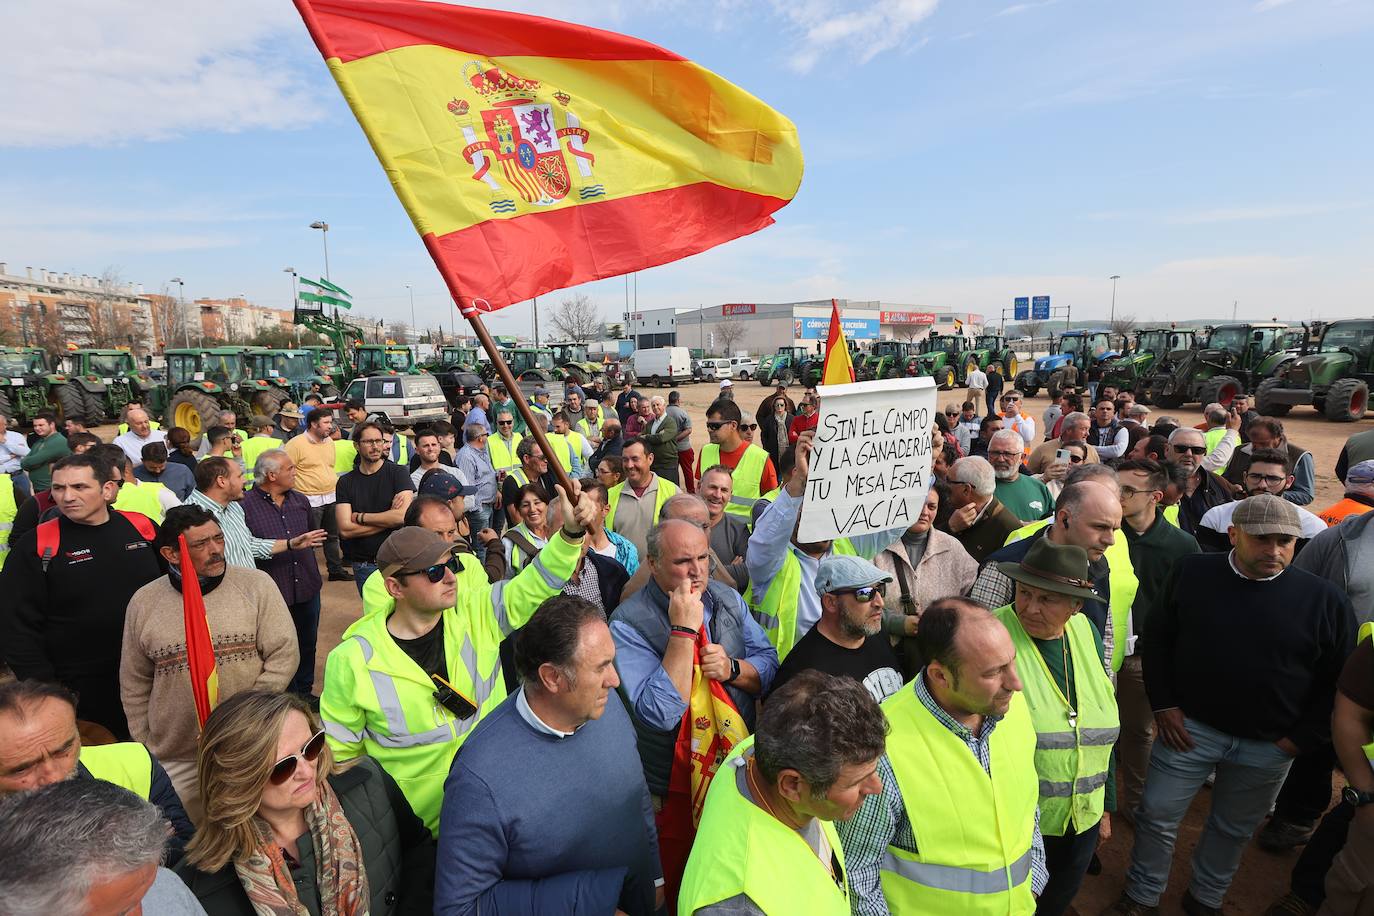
330,366
455,359
527,364
794,364
1335,379
29,385
573,363
764,373
886,359
1129,369
993,348
1234,359
284,375
201,383
943,358
102,382
384,359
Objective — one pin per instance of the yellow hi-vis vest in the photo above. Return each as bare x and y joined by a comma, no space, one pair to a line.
141,496
503,457
666,491
589,428
1123,583
1366,631
377,701
741,849
1171,514
127,764
777,614
562,450
747,476
345,452
8,510
252,450
974,828
1071,754
1212,438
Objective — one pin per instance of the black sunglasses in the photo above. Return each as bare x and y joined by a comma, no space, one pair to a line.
748,426
435,573
283,769
1195,449
717,424
865,594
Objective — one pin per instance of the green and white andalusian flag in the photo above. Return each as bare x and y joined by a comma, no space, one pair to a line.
326,293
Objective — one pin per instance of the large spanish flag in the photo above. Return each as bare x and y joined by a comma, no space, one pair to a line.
534,155
838,368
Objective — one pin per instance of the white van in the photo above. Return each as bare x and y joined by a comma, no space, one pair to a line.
660,365
406,400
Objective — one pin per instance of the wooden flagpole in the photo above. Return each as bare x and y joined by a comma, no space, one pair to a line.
503,372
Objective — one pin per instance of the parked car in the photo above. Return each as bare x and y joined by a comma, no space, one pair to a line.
660,365
406,400
742,367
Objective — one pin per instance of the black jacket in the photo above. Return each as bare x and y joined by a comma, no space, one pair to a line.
398,853
162,793
610,579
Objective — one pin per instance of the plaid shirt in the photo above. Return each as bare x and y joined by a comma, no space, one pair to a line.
295,571
882,820
240,547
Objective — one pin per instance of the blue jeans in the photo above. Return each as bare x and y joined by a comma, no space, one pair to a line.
1249,774
306,616
23,489
1067,858
361,570
478,519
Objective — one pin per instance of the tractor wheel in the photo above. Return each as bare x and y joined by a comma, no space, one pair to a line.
1220,389
1027,384
72,403
1264,405
194,411
1347,400
947,379
1009,367
95,408
892,372
5,407
765,382
268,402
785,377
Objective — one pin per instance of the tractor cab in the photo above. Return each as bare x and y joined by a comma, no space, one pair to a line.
376,359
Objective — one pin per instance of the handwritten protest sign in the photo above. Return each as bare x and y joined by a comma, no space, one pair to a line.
870,469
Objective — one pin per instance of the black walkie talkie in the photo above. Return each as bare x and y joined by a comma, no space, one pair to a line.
451,699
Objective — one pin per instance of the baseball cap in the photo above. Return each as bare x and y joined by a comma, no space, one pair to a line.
1265,513
841,571
412,550
541,390
1360,475
727,384
443,485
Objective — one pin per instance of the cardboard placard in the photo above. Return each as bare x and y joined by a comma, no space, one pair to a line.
870,468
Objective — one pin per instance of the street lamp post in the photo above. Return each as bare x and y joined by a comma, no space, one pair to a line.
324,235
413,331
181,304
294,299
1114,278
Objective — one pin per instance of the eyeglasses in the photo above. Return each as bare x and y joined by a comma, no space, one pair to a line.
865,594
371,441
748,426
717,424
1131,492
435,573
1186,449
992,454
284,768
951,413
505,422
1075,459
1269,479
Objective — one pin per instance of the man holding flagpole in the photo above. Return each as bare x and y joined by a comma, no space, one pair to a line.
227,624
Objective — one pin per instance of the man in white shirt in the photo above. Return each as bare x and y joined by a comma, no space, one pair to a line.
13,447
140,434
977,381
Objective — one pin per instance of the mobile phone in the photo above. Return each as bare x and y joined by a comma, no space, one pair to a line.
1061,456
449,698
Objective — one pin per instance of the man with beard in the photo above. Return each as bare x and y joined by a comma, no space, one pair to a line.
1024,496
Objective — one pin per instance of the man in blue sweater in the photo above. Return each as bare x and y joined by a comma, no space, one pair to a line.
546,810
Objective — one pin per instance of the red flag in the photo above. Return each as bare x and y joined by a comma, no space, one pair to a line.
200,652
838,369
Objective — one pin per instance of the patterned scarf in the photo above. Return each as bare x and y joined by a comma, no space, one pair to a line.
339,871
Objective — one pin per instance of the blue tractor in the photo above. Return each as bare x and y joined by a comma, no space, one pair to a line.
1085,349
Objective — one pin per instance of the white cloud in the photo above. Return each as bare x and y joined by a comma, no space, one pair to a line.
1017,9
826,27
1243,214
104,72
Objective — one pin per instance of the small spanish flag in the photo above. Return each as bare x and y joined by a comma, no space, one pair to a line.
839,370
534,155
958,326
200,651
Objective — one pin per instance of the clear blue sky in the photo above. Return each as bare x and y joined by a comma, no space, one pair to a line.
957,154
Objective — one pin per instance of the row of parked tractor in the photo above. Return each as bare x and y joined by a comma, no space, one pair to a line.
1328,365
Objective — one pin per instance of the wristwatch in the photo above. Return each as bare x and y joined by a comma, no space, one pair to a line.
1355,798
734,671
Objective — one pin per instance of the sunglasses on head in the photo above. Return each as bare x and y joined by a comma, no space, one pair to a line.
1195,449
284,768
865,594
435,572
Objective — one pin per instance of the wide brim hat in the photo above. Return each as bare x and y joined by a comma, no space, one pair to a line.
1061,568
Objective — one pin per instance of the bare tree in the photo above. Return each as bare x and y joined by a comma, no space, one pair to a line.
908,332
728,332
1123,325
577,319
399,331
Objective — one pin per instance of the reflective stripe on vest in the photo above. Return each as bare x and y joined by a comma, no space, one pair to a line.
8,510
741,849
503,458
141,497
126,764
666,491
1071,758
747,477
777,614
1121,580
967,819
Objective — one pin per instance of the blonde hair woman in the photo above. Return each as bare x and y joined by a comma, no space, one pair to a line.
286,833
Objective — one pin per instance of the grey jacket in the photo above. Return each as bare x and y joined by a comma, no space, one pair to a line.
1344,556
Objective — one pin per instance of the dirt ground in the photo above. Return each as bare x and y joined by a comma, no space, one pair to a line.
1262,877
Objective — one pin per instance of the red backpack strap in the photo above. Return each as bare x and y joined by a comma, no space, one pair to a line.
49,540
141,522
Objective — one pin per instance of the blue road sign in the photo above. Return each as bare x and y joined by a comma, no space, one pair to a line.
1040,308
1021,305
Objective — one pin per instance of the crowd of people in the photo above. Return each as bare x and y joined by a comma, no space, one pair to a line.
598,672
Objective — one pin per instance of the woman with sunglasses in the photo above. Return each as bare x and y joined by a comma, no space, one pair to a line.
1052,478
773,429
524,541
286,832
